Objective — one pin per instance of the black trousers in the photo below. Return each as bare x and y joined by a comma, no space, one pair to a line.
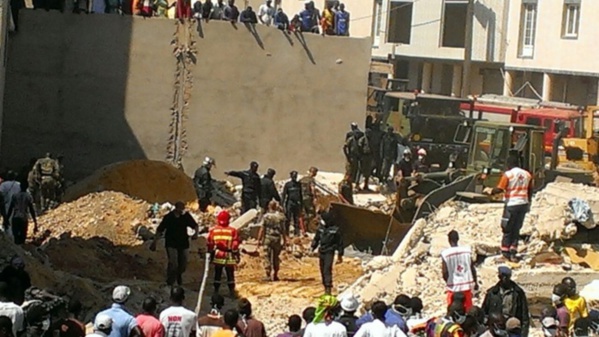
326,268
248,201
293,212
511,223
384,174
19,230
218,274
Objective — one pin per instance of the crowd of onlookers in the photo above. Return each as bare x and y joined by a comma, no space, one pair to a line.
333,20
503,313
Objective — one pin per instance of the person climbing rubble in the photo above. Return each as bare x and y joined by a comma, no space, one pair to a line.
268,190
292,201
176,320
251,187
47,175
202,181
21,206
176,241
123,323
223,245
458,270
213,321
516,184
508,298
328,239
272,236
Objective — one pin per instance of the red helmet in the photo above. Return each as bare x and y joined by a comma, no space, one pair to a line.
223,218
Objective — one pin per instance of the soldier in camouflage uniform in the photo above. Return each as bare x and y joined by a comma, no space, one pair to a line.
308,194
47,176
272,238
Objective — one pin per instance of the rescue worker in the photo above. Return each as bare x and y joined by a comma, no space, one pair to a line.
376,138
223,246
366,159
251,189
346,190
47,174
516,184
202,181
272,238
352,152
458,270
405,168
421,165
268,189
293,202
328,239
450,325
309,196
388,153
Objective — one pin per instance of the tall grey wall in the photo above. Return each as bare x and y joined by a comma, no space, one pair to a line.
99,88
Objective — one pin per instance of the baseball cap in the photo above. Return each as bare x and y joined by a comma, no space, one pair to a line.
103,322
549,322
504,270
349,303
512,324
120,294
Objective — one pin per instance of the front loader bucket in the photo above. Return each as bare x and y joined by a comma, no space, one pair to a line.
444,193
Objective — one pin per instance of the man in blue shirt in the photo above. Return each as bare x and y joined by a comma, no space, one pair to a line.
342,21
397,314
123,323
309,18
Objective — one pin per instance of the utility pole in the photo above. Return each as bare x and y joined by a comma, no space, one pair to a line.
467,68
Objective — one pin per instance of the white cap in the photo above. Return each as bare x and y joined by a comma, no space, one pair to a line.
103,322
349,303
421,152
120,294
407,151
549,322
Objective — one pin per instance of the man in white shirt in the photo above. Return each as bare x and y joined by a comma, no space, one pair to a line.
266,12
323,324
458,270
377,328
178,321
11,310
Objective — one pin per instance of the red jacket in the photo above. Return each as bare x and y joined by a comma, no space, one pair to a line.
224,243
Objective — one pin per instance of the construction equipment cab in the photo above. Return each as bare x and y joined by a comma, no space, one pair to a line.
493,142
580,149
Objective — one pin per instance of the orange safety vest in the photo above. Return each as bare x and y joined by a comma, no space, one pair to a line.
516,183
224,242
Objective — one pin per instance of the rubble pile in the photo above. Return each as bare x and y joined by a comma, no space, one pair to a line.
415,267
112,215
150,180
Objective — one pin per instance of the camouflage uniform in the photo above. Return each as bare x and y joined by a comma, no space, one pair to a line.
308,196
47,174
274,227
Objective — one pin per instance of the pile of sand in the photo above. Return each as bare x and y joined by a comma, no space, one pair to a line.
149,180
111,215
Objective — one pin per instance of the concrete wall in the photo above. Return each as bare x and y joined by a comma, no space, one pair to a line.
99,88
552,53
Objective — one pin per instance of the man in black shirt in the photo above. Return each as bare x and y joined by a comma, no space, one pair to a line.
388,153
174,226
252,188
292,201
202,182
328,239
248,16
268,189
406,165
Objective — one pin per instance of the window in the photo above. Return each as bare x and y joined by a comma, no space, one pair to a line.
376,26
454,23
528,28
571,19
400,22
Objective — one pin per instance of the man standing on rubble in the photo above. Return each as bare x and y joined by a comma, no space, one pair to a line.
366,157
202,181
388,153
309,196
174,226
292,201
268,189
516,184
223,246
353,130
352,152
251,187
328,239
458,270
272,235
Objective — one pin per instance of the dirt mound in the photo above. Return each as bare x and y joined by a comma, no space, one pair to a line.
111,215
149,180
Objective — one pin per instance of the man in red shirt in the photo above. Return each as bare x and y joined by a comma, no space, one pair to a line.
147,321
223,246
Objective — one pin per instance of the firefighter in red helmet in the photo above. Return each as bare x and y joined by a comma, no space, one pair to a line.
223,245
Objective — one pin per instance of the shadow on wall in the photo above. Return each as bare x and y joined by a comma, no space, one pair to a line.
66,88
488,19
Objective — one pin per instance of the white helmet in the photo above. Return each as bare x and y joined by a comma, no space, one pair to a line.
421,152
407,151
208,161
349,303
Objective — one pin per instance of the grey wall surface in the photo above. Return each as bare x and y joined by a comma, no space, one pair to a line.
98,89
